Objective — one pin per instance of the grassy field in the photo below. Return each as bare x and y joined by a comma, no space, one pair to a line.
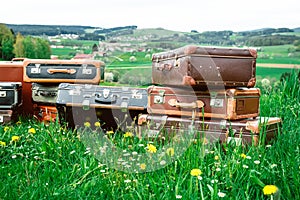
51,162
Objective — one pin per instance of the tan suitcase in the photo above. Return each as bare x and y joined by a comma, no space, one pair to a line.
231,104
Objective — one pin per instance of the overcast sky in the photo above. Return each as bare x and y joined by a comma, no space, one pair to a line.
179,15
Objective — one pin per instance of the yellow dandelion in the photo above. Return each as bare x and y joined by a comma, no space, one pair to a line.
270,189
15,138
196,172
3,144
7,128
32,131
87,124
243,155
217,158
18,122
109,132
143,166
170,151
151,148
128,134
97,124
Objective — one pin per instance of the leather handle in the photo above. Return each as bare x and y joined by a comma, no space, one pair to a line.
66,71
193,105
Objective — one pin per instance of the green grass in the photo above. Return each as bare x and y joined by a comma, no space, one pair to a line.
55,163
271,73
278,54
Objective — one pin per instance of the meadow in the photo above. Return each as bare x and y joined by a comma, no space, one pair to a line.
40,161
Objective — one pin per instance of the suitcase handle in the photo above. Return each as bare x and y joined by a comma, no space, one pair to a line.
47,93
66,71
109,100
193,105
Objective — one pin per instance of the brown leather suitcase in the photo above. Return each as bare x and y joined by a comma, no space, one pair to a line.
246,131
45,113
12,71
231,104
62,71
205,66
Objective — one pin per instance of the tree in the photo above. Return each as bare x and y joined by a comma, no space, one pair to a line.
29,47
42,48
19,47
6,42
7,47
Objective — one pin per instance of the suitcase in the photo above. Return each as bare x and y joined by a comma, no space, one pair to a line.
11,71
45,113
44,93
115,107
6,116
62,71
10,95
231,104
205,66
245,131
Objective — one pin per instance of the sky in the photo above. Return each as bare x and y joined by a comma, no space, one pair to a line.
178,15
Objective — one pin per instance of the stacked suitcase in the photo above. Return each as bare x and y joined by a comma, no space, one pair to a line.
113,108
45,76
12,71
10,101
209,89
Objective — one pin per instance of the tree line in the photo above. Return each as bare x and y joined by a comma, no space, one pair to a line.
12,45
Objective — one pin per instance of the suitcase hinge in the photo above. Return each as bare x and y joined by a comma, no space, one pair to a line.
86,104
124,104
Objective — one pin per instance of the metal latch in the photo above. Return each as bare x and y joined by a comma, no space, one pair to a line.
2,94
85,70
159,99
217,103
36,70
1,118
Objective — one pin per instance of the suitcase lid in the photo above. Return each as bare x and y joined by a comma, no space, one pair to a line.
205,51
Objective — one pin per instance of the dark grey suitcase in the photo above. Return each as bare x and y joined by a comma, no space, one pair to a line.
114,107
205,66
10,95
45,94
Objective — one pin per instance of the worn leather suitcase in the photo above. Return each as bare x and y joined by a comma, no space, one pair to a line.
44,93
62,71
10,95
231,104
45,113
114,107
246,131
205,66
12,71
